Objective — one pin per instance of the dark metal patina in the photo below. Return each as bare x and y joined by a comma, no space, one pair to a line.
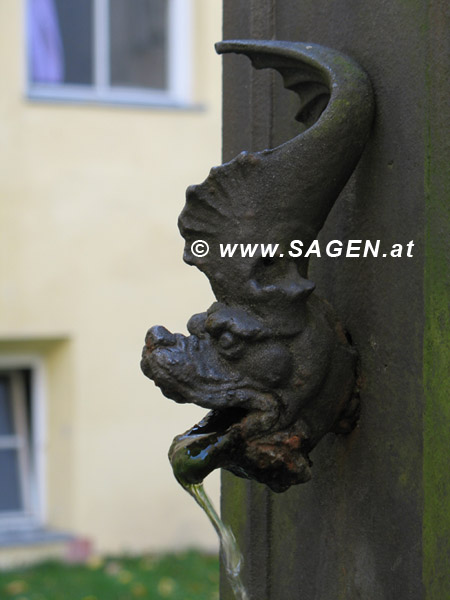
270,359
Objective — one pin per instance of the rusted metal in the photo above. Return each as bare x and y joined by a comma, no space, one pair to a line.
269,359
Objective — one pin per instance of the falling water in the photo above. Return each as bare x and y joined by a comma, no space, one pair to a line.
231,555
193,455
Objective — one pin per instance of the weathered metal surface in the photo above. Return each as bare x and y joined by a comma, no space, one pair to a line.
270,358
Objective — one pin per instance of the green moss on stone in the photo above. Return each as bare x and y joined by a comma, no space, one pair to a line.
436,521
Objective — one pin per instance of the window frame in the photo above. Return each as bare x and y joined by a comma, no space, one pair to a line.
179,65
32,459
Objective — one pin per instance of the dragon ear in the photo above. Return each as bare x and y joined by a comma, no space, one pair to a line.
285,193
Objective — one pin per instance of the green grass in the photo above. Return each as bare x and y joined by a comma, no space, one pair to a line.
186,576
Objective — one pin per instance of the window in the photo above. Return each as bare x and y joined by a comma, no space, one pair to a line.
20,472
130,51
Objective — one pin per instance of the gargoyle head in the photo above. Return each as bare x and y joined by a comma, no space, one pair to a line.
271,395
269,359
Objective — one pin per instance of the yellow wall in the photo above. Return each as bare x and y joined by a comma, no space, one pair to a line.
90,257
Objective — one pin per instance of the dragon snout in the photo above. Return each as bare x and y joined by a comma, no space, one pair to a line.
158,336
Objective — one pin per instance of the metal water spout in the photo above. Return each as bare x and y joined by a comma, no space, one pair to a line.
270,359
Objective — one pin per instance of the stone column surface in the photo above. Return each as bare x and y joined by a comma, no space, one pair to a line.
374,521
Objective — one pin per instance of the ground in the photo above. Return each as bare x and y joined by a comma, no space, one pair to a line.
185,576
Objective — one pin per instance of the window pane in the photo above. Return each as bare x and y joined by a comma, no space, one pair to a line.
138,43
60,41
10,496
6,417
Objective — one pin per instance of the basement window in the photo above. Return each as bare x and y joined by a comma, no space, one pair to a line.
19,469
114,51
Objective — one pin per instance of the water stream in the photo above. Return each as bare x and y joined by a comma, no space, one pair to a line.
193,455
231,555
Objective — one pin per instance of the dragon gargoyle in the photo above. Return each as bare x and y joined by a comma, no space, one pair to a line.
270,358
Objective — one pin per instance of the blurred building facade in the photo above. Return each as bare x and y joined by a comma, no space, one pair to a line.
106,116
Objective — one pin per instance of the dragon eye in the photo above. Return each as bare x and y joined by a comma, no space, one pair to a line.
226,340
230,345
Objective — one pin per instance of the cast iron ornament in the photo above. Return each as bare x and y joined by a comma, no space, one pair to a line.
269,359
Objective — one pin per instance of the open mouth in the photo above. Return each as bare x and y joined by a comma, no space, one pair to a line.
201,449
278,458
219,421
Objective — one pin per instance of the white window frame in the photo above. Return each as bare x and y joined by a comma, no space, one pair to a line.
179,64
32,466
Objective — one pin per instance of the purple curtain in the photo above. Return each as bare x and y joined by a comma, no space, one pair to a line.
46,51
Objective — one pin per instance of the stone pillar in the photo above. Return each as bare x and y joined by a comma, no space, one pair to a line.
374,522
